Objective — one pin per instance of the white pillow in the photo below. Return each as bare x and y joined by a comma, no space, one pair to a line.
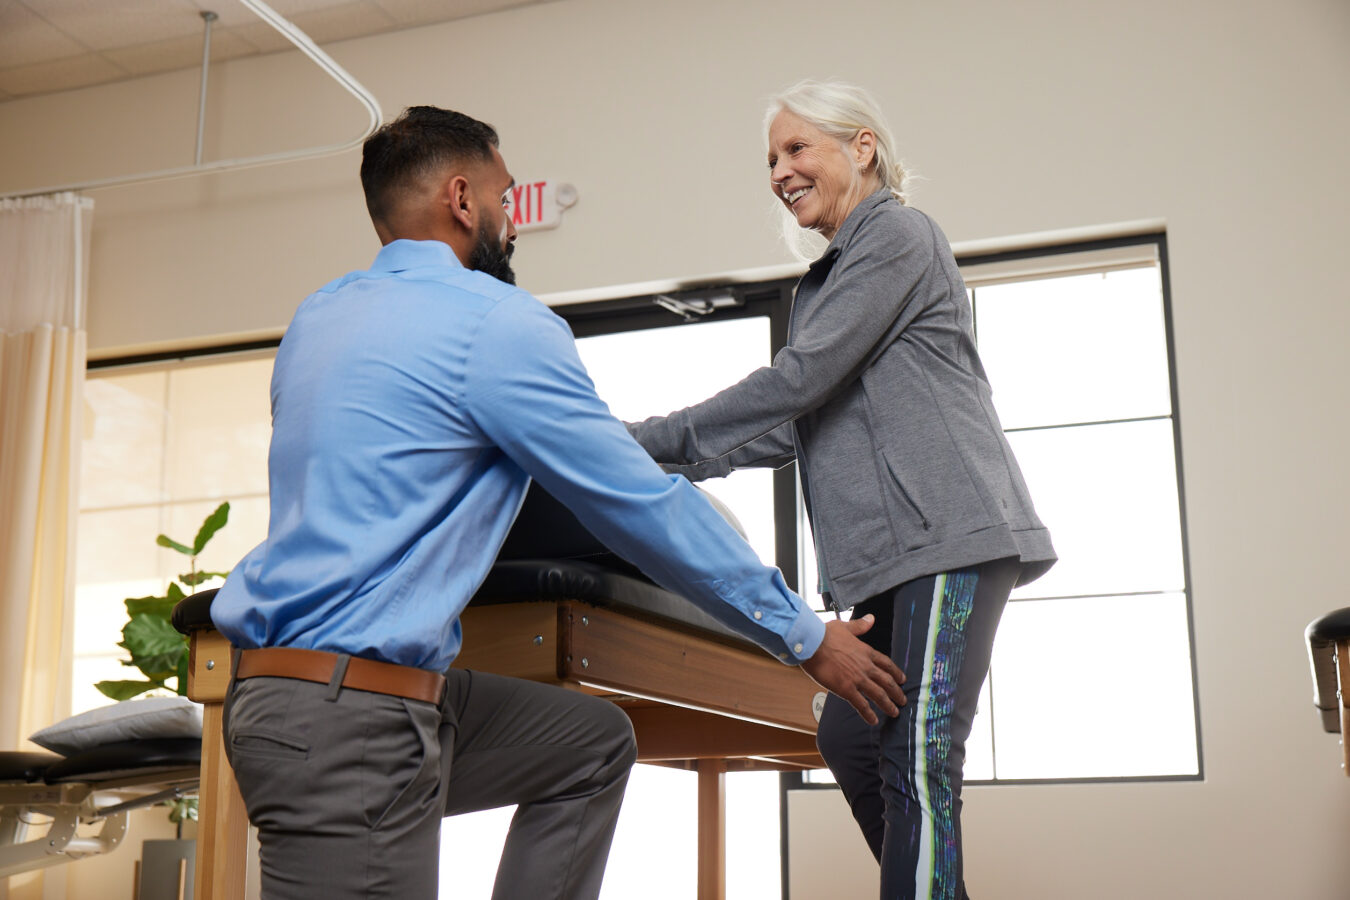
148,717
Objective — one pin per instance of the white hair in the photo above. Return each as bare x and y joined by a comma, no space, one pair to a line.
840,110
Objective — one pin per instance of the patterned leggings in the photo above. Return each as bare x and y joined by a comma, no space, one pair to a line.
902,778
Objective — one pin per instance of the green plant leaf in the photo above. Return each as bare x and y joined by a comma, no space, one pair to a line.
124,690
210,526
147,635
182,676
192,579
182,808
151,606
165,541
154,645
157,668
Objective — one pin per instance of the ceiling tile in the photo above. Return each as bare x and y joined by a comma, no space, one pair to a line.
51,38
341,22
179,53
100,24
263,36
424,12
26,38
233,13
59,75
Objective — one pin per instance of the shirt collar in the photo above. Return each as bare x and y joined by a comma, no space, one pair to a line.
400,255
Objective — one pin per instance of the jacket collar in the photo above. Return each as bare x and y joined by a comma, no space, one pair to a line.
401,255
852,222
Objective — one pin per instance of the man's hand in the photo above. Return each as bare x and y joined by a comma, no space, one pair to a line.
846,666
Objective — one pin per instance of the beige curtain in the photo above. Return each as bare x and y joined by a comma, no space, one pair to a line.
44,256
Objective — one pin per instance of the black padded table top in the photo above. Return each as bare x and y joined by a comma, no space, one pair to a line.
25,765
124,762
194,613
1334,626
140,759
526,580
548,555
1322,635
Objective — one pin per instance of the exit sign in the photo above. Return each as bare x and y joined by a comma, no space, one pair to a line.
536,205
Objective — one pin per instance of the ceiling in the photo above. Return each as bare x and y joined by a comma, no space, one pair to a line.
57,45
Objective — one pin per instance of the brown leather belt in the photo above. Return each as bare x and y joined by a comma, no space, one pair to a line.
361,675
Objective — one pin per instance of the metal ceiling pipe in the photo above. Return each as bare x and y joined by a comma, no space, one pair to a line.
306,46
208,18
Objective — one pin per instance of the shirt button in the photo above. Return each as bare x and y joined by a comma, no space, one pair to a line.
782,656
796,648
758,614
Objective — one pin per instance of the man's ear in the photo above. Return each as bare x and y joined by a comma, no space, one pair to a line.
459,201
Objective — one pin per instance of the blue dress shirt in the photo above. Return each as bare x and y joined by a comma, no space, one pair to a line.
411,405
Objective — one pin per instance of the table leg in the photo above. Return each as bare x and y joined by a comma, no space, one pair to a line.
712,829
222,825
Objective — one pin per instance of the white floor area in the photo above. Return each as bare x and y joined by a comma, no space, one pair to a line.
654,852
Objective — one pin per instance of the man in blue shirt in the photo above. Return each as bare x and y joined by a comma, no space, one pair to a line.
412,403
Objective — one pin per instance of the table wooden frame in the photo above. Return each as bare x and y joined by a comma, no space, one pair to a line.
1343,694
697,701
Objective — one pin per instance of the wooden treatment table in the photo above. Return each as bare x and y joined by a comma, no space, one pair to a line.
699,697
1329,654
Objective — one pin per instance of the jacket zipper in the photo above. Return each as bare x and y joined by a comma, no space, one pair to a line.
822,574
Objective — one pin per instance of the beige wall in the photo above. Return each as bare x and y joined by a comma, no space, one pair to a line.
1229,119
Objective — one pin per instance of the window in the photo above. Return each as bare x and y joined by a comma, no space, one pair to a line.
164,444
1076,343
1077,346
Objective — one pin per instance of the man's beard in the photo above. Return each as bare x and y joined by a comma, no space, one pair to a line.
491,257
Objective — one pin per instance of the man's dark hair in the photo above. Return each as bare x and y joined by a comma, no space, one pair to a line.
413,146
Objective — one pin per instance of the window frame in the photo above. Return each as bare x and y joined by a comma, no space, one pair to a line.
1158,240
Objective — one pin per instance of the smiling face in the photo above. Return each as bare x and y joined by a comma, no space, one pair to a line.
816,177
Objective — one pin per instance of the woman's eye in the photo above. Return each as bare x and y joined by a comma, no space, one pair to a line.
798,148
772,163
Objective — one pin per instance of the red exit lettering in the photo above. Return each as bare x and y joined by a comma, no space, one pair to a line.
527,203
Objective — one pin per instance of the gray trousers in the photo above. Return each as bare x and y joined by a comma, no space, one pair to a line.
347,788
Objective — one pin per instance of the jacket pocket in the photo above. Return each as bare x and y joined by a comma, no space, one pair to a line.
915,511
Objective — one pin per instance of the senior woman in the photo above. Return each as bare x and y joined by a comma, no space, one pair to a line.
920,513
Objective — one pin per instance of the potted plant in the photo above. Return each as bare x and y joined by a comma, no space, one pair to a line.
155,647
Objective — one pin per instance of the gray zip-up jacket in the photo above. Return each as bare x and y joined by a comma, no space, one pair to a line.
881,398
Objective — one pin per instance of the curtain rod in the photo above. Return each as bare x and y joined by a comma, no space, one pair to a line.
306,46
